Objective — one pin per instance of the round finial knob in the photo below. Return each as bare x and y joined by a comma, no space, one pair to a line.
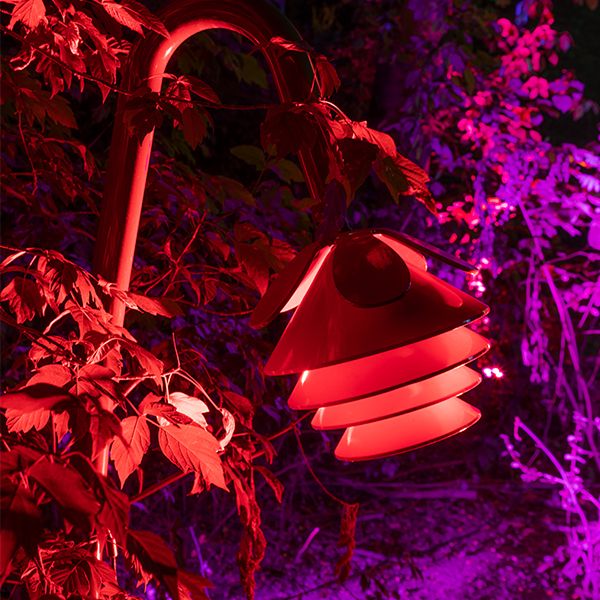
367,272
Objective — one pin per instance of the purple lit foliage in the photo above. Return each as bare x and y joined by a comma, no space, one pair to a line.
529,210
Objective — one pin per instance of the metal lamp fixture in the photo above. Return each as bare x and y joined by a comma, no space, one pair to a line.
380,343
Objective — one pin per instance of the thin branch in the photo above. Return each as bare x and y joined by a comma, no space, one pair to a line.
328,493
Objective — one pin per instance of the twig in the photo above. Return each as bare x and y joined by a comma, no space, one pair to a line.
313,474
306,544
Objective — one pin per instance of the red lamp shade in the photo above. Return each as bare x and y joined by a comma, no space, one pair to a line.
381,343
398,401
407,432
386,371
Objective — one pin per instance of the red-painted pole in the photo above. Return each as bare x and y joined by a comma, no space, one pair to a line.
129,158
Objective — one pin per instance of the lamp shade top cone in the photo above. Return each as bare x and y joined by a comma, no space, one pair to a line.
289,287
366,299
406,432
398,401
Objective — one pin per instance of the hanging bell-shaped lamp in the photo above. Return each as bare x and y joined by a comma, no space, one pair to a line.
380,343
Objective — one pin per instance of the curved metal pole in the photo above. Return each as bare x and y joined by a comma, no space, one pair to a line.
129,158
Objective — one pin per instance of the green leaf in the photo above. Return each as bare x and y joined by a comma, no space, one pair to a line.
287,170
251,155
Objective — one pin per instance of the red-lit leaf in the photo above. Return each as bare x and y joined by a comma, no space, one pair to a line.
329,81
29,12
20,524
128,450
358,156
150,553
193,124
73,570
24,298
143,113
18,421
289,45
190,406
164,307
66,485
151,548
290,128
273,482
393,177
114,515
192,448
244,409
103,427
228,426
97,381
192,586
56,375
202,89
166,414
256,254
134,15
150,364
35,397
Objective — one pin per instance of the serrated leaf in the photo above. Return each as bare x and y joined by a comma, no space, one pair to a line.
29,12
128,450
134,15
202,89
149,363
192,448
190,406
58,109
57,375
393,177
24,298
154,556
329,81
18,421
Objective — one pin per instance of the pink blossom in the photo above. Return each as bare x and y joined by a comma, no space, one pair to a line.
536,86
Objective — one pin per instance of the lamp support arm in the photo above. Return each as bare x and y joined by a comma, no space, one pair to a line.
129,158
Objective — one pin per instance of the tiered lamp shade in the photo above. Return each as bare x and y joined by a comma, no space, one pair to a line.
380,343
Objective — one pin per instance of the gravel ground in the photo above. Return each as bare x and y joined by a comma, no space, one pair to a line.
495,542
